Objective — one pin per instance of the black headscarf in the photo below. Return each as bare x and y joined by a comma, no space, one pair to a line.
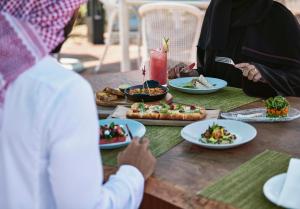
223,14
272,32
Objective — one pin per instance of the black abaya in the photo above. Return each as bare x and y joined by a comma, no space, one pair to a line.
270,41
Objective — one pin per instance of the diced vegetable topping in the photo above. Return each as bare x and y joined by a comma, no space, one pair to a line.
217,134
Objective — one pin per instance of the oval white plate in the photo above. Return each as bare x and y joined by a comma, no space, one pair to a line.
273,187
178,84
259,115
137,129
243,131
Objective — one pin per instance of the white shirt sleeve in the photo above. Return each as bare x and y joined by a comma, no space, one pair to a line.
75,167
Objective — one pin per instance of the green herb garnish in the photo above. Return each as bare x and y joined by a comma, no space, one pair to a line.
278,102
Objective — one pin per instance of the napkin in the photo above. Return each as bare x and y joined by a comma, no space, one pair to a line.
290,193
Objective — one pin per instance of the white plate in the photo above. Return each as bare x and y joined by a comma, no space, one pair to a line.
260,115
243,131
178,84
273,187
137,129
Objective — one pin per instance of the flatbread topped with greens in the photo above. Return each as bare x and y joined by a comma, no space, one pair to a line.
165,111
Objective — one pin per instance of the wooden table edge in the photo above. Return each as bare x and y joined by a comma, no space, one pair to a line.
160,194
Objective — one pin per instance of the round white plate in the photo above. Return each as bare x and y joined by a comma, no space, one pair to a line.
137,129
273,187
259,115
178,84
243,131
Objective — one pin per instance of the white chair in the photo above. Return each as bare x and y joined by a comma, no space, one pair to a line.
111,8
181,23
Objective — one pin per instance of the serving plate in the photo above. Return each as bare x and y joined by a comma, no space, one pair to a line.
259,115
137,129
243,131
146,97
178,84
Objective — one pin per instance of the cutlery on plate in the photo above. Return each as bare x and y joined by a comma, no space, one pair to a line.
129,132
225,60
131,136
253,115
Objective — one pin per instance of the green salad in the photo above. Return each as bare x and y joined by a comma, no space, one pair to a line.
217,134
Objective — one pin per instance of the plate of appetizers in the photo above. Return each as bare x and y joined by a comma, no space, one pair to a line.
219,133
276,109
115,134
198,85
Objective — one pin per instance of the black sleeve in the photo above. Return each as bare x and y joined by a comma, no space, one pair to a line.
285,81
200,59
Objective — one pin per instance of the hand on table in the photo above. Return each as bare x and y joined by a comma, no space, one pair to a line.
138,155
250,71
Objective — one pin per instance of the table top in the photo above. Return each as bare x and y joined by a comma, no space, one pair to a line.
192,168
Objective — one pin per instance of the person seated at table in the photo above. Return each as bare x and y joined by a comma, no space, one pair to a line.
262,36
49,154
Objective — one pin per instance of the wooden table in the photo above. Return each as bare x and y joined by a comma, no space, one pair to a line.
186,169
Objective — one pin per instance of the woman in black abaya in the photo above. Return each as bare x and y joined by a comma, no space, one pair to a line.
262,36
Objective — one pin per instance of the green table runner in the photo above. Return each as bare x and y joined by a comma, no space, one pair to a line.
163,138
243,187
226,99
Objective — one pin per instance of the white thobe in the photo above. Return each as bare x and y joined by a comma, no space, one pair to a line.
49,154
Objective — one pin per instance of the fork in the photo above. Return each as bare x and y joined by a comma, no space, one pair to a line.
225,60
129,132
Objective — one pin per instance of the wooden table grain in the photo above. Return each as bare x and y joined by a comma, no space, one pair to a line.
187,168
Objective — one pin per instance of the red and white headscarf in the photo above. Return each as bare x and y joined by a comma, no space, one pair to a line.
29,30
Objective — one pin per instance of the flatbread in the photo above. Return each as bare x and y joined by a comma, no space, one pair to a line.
166,112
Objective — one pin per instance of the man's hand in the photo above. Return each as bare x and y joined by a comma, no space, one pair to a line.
138,155
250,71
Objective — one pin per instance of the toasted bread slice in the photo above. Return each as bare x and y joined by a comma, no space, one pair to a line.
116,92
106,96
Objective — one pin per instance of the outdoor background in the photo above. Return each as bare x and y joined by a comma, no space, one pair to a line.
80,46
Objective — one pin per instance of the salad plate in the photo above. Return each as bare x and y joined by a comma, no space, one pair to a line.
137,129
260,115
218,133
186,85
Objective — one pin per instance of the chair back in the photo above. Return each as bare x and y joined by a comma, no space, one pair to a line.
179,22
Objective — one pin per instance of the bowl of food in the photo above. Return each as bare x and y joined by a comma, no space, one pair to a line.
148,92
114,133
218,133
277,107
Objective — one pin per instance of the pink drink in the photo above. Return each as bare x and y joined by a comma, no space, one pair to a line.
158,66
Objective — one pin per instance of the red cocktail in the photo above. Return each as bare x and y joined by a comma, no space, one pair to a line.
158,66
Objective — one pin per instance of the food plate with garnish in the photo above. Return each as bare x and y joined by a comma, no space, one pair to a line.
198,85
218,133
276,109
113,133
